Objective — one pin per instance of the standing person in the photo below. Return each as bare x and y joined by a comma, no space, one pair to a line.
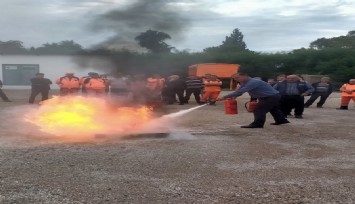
39,85
119,85
69,84
280,78
271,81
107,82
292,93
155,85
322,89
174,86
268,97
194,86
212,89
95,85
2,94
347,93
83,85
138,89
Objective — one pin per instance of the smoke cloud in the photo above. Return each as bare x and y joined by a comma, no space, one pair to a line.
128,22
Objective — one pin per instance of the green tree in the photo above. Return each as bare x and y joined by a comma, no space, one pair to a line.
154,41
12,47
347,41
233,43
63,47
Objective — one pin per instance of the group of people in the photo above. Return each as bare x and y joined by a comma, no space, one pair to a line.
287,93
69,85
156,90
153,91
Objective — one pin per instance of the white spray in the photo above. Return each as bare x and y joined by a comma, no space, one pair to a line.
182,112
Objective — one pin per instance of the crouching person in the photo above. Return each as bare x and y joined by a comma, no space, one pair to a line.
269,100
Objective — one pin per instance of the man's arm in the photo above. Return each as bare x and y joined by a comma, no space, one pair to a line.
246,88
309,90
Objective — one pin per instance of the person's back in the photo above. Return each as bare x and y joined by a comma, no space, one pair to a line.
40,85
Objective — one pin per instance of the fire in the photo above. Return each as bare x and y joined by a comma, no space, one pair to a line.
78,117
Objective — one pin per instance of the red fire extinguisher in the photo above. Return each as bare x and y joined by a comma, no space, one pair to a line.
251,105
231,106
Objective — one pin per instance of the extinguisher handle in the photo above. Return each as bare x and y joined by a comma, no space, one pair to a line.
246,105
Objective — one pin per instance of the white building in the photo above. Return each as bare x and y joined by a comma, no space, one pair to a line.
17,70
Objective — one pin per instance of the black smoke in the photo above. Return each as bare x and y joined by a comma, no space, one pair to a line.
128,22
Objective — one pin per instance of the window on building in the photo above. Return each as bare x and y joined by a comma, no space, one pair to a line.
19,74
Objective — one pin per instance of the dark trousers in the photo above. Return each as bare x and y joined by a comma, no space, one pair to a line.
3,96
265,105
180,94
288,102
314,96
35,92
170,95
196,92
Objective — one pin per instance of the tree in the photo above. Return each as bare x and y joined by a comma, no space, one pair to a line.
154,41
347,41
12,47
232,43
63,47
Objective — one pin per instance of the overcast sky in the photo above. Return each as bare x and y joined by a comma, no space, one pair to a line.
267,25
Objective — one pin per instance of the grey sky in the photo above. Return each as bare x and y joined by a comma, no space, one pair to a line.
267,25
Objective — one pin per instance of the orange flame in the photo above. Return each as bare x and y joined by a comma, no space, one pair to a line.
80,117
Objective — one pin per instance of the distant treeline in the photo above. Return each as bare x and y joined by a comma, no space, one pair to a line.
334,56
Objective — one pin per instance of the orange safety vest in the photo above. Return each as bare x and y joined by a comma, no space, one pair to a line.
348,87
68,83
212,86
155,84
96,83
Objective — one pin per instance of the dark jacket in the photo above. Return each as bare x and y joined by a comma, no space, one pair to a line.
178,84
301,86
330,88
40,83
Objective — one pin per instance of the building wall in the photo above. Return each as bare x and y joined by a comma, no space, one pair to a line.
53,66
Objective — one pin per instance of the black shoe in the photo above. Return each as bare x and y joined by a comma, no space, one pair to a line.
251,126
306,106
181,103
280,123
299,116
319,106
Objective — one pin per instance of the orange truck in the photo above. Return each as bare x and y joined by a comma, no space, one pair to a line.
220,70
